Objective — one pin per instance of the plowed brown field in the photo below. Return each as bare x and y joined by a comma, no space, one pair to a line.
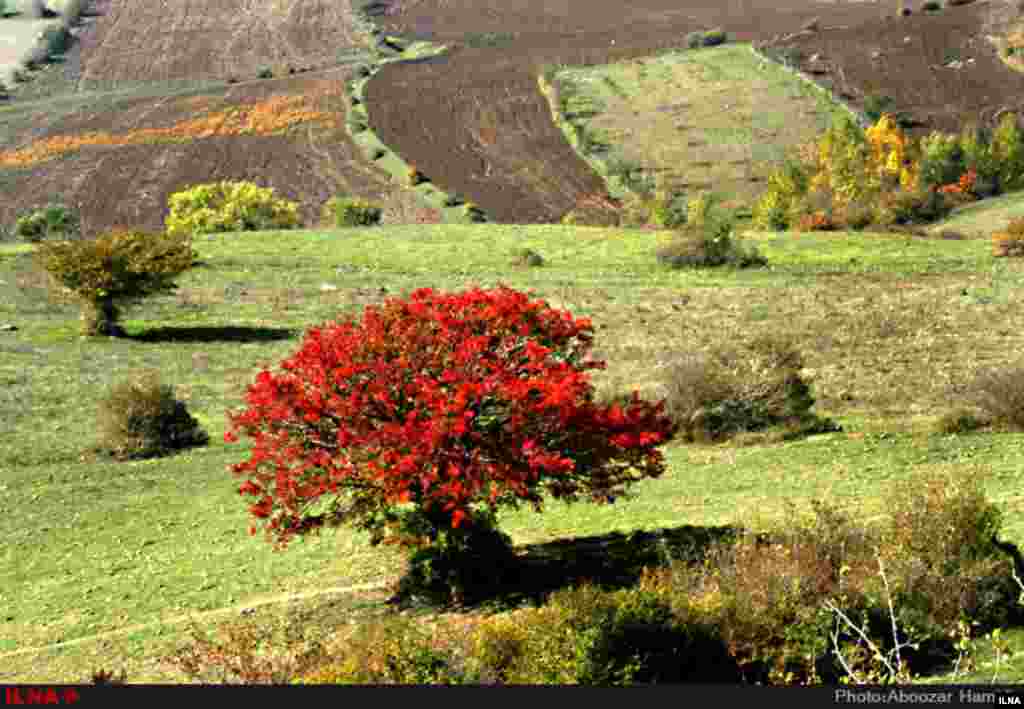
120,164
475,120
147,40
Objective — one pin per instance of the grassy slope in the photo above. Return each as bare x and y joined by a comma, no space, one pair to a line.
93,547
715,118
887,324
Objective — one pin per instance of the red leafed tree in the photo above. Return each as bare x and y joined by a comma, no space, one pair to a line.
453,404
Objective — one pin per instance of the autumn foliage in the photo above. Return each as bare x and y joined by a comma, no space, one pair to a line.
879,175
455,404
269,117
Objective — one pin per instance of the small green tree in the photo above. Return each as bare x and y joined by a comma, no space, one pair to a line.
120,266
1008,151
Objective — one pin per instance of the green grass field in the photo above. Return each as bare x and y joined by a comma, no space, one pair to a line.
890,326
718,118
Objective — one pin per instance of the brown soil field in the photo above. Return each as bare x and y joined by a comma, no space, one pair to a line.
120,161
475,121
938,67
147,40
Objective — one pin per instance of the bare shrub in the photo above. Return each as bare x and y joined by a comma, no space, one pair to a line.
1000,395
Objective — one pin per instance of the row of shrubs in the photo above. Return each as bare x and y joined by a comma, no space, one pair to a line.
856,179
829,600
226,206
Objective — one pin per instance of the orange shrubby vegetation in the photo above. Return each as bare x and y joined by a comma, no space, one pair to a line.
268,117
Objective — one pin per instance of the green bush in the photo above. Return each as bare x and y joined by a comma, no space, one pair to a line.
959,421
229,206
695,40
378,153
592,637
714,37
1008,151
527,258
141,419
52,221
118,266
265,73
351,213
739,389
942,161
931,6
786,186
707,247
671,211
453,200
875,105
57,39
474,213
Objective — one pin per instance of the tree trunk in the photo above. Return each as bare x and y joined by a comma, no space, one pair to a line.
99,319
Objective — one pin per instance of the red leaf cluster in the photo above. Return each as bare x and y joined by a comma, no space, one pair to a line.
443,401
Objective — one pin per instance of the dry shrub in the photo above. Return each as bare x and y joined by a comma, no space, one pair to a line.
999,394
102,677
765,596
389,650
249,654
937,560
141,419
739,389
946,561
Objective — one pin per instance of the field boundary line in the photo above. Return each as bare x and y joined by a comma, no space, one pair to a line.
282,598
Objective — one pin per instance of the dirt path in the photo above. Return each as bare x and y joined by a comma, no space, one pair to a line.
282,598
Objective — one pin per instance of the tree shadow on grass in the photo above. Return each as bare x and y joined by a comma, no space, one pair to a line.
610,561
213,334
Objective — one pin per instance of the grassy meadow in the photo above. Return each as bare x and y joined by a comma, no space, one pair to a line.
890,326
106,563
731,119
